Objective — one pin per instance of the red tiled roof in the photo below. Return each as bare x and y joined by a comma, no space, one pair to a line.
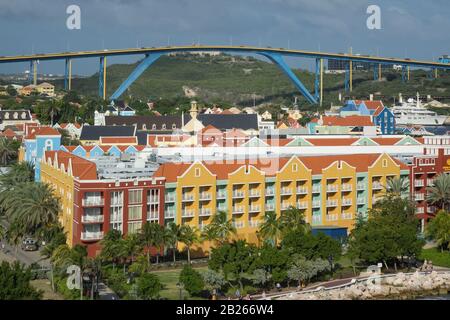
350,121
386,141
371,105
81,168
9,133
42,131
118,140
332,141
210,130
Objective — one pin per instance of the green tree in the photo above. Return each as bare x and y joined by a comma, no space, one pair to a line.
213,281
15,283
270,229
189,237
172,236
397,186
8,151
303,270
192,280
293,219
438,229
223,226
11,91
439,193
19,172
148,286
261,278
131,246
273,260
152,235
112,247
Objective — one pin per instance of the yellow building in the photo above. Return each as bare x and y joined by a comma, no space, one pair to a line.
46,88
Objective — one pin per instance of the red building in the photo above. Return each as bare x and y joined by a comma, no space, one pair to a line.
424,170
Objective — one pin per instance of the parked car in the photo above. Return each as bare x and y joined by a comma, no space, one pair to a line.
29,244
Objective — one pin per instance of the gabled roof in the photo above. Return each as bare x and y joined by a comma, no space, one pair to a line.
210,130
149,122
224,122
95,132
371,105
42,131
350,121
81,168
118,140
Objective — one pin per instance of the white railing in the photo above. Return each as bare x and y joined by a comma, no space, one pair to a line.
169,214
221,195
153,216
93,202
270,192
419,196
255,193
332,203
332,188
316,203
169,198
361,201
302,205
361,186
347,187
188,197
152,200
187,213
205,212
419,183
92,235
286,191
205,196
302,190
254,208
332,217
254,223
238,210
316,219
346,216
420,210
238,194
316,189
346,202
92,218
270,207
238,224
430,182
286,206
377,186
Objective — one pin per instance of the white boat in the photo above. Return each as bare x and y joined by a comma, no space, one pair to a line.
413,112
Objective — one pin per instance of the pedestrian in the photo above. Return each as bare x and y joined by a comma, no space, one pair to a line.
278,286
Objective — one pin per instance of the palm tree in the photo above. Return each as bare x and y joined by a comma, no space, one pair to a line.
293,220
32,207
112,247
53,109
152,235
130,247
19,172
222,226
397,186
439,193
7,151
270,229
172,236
188,236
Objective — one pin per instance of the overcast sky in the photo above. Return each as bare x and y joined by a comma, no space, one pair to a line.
414,28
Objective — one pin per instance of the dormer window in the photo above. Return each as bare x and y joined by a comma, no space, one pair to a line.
7,115
154,127
174,126
144,127
15,115
164,126
23,115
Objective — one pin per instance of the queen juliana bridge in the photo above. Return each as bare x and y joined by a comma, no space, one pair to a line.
276,55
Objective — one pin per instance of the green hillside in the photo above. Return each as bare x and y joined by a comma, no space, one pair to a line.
237,80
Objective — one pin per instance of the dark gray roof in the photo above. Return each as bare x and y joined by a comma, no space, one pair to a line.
151,123
95,132
230,121
22,115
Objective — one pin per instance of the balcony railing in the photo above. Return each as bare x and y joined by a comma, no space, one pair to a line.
346,202
153,200
153,216
270,192
169,214
332,203
238,194
419,196
205,212
98,218
238,210
205,196
430,182
332,217
302,205
316,189
286,191
302,190
254,223
270,207
286,206
316,219
346,216
187,213
377,186
332,188
188,197
169,198
361,201
86,236
221,195
254,193
254,208
419,183
238,224
420,210
431,209
92,202
347,187
361,186
316,203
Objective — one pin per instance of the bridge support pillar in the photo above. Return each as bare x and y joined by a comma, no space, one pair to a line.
277,59
68,75
147,62
32,76
102,78
404,74
318,83
375,72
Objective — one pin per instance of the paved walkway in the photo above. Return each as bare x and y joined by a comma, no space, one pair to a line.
105,293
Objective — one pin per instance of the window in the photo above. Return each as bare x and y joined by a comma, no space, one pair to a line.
117,198
197,172
135,196
164,126
116,214
48,145
385,163
294,167
134,213
153,126
144,127
134,227
174,126
116,226
153,196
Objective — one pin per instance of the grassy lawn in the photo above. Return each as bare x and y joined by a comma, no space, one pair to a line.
48,294
441,259
170,279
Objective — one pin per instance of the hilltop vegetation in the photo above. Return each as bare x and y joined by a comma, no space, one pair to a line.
226,79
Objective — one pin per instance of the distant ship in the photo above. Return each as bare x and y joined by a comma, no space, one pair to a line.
413,113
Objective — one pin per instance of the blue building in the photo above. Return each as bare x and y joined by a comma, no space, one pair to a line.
36,143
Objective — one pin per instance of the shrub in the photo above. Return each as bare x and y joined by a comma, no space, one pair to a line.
192,280
148,286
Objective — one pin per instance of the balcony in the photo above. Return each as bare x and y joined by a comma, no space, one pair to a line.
332,203
332,217
361,186
238,210
316,219
431,209
346,216
238,224
286,206
419,183
270,207
419,196
270,192
169,198
420,210
361,201
316,189
153,200
332,188
93,202
187,213
254,223
346,187
238,194
377,186
92,236
430,182
205,196
302,190
316,203
187,197
346,202
254,193
205,212
302,205
98,218
169,214
221,195
286,191
153,216
254,209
